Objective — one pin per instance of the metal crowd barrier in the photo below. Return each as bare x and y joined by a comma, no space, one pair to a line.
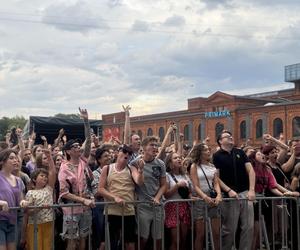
280,231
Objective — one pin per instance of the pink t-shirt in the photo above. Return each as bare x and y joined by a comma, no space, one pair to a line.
73,180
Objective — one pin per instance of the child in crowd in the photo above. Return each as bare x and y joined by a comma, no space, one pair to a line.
42,196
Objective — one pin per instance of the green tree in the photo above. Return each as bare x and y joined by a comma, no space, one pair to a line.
7,123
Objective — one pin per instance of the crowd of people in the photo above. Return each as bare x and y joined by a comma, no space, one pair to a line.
129,192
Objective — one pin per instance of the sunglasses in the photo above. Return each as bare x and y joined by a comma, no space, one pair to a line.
126,150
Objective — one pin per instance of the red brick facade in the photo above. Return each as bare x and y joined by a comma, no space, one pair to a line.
250,117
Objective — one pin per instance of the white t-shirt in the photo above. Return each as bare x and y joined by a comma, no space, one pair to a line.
172,183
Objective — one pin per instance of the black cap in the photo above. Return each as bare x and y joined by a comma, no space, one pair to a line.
69,144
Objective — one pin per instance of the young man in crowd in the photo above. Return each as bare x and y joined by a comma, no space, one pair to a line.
74,177
117,183
150,216
237,180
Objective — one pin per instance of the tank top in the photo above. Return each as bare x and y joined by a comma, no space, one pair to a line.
120,183
210,172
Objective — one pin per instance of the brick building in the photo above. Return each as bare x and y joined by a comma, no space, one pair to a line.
247,117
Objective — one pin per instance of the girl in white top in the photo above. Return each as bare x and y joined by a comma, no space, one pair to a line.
202,167
176,180
41,196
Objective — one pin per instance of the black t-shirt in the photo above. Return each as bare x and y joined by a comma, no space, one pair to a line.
232,168
278,174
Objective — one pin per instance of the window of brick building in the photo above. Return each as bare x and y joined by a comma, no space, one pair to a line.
277,127
161,133
243,130
296,126
150,132
186,132
259,128
199,132
219,128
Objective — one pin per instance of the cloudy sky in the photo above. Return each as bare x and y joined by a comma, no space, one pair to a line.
99,54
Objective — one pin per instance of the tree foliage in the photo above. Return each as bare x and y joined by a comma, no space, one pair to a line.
7,123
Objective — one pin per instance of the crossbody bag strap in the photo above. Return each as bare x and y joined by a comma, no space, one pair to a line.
205,177
285,177
173,177
129,169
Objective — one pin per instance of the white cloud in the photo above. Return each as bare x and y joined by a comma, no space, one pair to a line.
76,16
175,20
56,55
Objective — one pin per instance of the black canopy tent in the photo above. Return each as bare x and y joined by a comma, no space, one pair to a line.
50,126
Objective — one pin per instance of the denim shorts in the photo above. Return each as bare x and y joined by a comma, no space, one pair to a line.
77,226
200,213
7,232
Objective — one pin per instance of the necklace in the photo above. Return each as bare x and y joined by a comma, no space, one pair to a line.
72,166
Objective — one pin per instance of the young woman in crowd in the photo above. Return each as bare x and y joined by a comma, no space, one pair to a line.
264,180
31,165
178,188
10,196
206,185
103,158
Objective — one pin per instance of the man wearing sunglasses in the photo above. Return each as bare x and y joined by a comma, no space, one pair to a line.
117,184
74,178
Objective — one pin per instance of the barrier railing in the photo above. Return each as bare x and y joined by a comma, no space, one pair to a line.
278,224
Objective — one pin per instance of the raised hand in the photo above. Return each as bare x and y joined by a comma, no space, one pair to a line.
43,138
83,114
174,127
267,137
140,165
170,129
61,132
126,109
19,132
33,136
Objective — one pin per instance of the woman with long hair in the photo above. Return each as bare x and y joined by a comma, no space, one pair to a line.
31,165
206,185
103,158
264,180
10,196
177,182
